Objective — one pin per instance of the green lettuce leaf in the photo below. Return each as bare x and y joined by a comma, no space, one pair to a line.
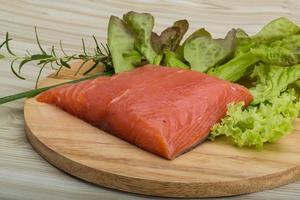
172,60
142,24
276,55
236,68
198,33
295,86
203,53
280,52
292,43
272,80
254,126
241,34
121,42
244,42
276,29
284,52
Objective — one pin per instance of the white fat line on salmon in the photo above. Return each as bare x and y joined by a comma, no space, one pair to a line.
119,97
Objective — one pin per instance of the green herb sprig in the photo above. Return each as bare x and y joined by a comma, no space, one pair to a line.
56,60
34,92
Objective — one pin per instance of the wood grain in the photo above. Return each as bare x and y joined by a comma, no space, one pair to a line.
212,169
24,174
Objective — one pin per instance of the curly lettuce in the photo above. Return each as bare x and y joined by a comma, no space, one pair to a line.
272,80
276,55
276,29
271,113
256,125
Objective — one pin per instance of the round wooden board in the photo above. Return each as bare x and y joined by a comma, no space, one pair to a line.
210,170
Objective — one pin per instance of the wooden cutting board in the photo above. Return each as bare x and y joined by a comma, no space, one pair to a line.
212,169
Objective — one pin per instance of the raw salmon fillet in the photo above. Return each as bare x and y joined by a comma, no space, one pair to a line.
163,110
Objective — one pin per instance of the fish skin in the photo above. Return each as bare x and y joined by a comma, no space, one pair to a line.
163,110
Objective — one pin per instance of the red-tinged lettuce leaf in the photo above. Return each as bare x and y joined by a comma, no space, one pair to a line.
155,40
170,38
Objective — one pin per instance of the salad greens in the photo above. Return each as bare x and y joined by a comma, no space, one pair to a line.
268,60
203,52
271,58
256,125
235,68
272,80
276,29
121,45
141,24
170,38
172,60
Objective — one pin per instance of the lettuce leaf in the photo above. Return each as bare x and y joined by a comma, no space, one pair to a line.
172,60
271,112
276,55
198,33
244,42
276,29
203,53
236,68
292,43
295,86
170,38
121,45
250,50
201,32
272,80
168,42
280,52
142,24
254,126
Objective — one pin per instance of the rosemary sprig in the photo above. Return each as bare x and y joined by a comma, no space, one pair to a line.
55,59
34,92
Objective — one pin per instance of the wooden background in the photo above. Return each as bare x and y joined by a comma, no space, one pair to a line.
23,173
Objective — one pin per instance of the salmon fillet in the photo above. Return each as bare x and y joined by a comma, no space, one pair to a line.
163,110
